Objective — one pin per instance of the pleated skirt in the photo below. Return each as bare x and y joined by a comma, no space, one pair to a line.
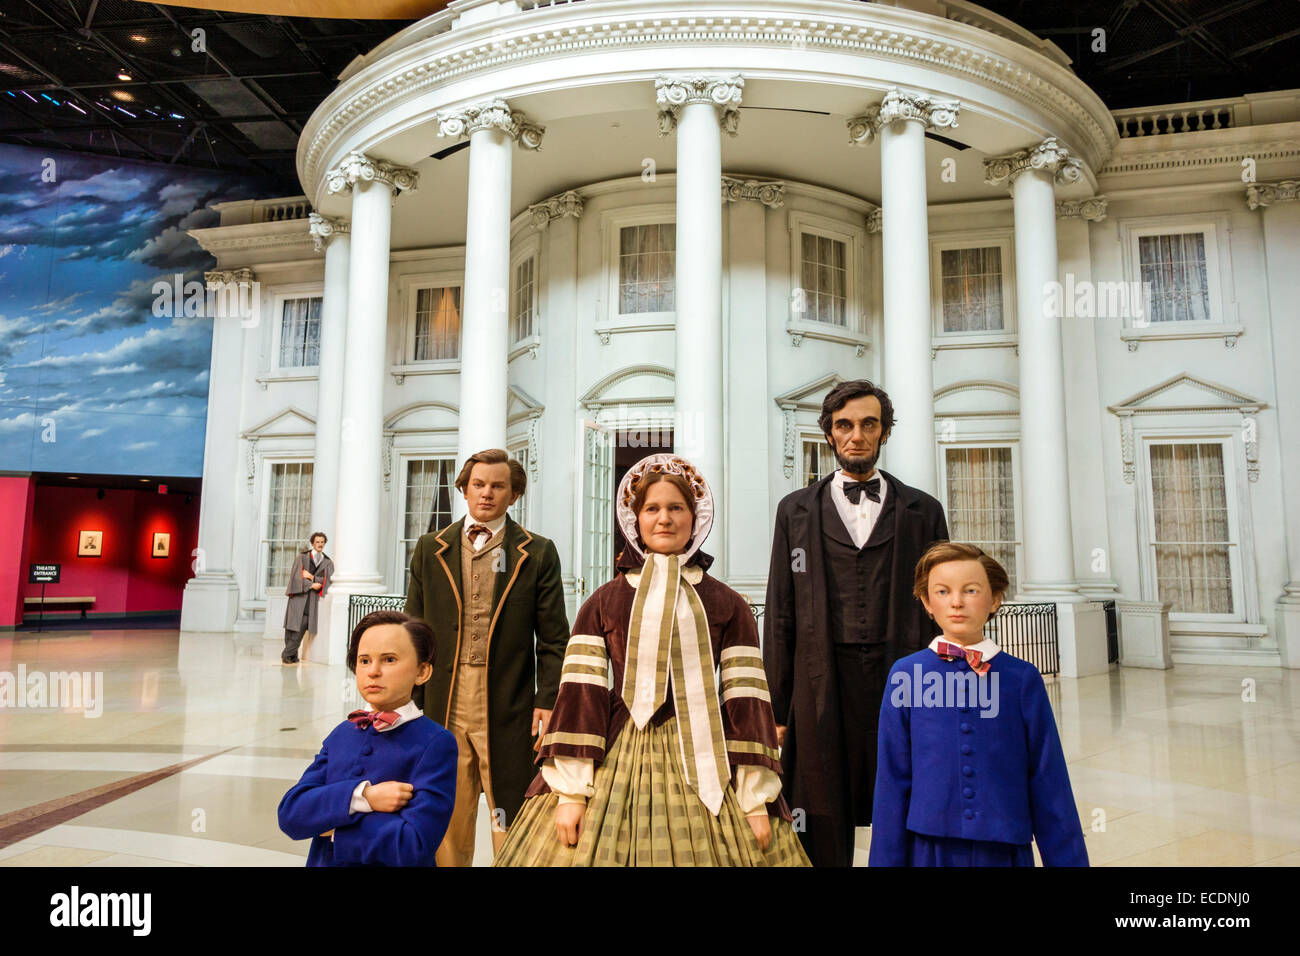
644,813
954,851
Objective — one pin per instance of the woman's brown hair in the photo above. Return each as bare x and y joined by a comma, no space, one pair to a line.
944,551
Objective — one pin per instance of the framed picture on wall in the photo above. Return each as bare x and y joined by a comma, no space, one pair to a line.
162,544
90,544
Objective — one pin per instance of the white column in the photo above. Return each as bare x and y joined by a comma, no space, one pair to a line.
492,127
1048,574
374,185
211,598
901,121
699,108
334,237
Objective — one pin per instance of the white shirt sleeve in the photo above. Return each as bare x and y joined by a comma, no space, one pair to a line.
359,803
755,788
570,777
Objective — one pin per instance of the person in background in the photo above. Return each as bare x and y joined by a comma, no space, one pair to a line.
308,582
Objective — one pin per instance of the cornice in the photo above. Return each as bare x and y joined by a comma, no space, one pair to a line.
876,31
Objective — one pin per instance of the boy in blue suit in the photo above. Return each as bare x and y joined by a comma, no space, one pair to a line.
970,766
400,820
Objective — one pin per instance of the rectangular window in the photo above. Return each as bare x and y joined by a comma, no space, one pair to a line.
824,272
818,460
430,483
288,519
437,324
522,311
1174,274
981,502
519,510
1193,556
300,333
647,268
971,284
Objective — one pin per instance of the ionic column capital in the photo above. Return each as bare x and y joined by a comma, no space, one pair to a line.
874,220
325,228
224,277
357,167
722,92
491,114
1092,209
556,207
1048,156
771,193
932,113
1265,194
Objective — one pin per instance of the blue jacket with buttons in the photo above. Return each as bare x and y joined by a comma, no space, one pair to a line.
418,752
992,769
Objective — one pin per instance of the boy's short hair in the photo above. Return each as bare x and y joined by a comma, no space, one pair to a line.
420,632
494,456
944,551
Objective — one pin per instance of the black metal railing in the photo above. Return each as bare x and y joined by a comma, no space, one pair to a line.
359,605
1029,632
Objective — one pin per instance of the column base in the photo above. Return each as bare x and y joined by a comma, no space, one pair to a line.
1144,634
210,603
331,644
1288,627
1049,593
1081,638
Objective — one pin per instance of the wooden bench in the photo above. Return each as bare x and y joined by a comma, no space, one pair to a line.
70,603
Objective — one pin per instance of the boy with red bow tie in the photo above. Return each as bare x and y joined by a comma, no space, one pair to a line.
970,766
399,821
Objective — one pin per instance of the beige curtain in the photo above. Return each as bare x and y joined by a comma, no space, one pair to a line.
1174,269
428,503
972,289
1190,501
437,324
288,519
647,268
981,502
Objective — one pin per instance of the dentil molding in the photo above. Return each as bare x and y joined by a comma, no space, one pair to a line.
357,167
325,228
721,92
1048,156
491,114
931,112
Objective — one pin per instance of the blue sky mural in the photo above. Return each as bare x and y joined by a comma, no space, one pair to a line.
90,379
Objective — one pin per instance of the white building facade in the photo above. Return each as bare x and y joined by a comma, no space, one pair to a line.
588,231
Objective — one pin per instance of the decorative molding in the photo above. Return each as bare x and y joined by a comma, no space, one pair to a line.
325,228
1199,157
1126,448
771,193
534,451
1093,209
357,167
592,397
721,92
386,459
930,112
491,114
266,241
872,31
790,431
1152,332
1265,194
1250,438
263,428
568,203
220,277
1048,156
252,463
807,397
875,221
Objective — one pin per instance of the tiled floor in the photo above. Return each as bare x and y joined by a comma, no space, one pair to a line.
1172,768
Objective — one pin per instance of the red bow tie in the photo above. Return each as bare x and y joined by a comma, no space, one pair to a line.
478,529
382,719
971,656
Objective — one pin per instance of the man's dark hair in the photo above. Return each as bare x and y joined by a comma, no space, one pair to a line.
315,535
421,634
845,392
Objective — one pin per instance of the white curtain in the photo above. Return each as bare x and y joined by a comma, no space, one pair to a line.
972,289
981,502
300,333
437,324
522,314
647,268
288,519
818,461
824,279
1174,270
429,483
1192,542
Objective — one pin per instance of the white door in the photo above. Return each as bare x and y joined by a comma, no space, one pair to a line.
595,508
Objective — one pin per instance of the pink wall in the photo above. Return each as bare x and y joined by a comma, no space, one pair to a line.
125,578
16,495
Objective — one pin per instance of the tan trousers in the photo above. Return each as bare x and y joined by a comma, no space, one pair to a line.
468,723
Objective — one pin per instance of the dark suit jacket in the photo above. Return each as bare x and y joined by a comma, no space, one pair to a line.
799,653
527,601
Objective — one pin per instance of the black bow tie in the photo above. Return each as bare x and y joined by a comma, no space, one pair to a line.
854,489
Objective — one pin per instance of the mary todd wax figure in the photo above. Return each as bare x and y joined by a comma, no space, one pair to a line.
839,613
487,587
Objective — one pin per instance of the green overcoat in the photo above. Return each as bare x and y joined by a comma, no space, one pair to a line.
523,673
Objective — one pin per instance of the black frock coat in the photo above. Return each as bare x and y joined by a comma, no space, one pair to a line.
799,653
527,602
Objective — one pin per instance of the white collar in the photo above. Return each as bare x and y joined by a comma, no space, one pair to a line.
691,574
408,711
986,647
840,478
493,526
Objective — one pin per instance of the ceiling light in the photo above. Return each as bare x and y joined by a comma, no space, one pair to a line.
127,112
139,39
122,95
124,76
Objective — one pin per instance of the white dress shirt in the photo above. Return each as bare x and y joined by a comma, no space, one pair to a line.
493,526
859,518
408,711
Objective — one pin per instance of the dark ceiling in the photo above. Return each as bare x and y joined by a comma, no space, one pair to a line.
240,102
